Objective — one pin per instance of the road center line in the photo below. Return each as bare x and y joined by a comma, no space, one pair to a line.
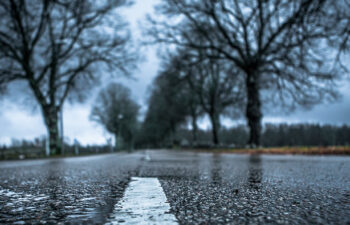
144,202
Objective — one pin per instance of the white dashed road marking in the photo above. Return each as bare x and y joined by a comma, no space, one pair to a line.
144,202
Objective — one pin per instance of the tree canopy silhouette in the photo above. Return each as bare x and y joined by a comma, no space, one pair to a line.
278,45
60,48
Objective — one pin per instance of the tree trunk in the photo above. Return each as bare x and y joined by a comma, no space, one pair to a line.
131,148
116,136
51,122
253,109
194,130
172,134
215,127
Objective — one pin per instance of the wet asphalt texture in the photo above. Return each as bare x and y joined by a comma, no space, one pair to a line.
201,188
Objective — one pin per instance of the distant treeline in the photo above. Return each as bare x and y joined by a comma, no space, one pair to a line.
273,135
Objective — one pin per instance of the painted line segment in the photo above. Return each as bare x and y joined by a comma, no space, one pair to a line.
144,202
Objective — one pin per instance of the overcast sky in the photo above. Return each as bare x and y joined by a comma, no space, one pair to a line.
22,122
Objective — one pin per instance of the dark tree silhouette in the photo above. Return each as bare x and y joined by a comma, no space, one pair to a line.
279,45
193,87
217,90
215,87
338,21
176,71
167,109
195,110
59,48
278,135
117,112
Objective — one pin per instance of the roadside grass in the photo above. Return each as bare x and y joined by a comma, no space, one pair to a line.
302,150
296,150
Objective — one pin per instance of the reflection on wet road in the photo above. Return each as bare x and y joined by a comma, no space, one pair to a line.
200,187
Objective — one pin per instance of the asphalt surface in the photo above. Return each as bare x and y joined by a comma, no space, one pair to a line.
201,188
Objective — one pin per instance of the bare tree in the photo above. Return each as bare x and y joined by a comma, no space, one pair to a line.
217,90
117,112
176,70
202,86
167,106
213,83
60,48
338,22
195,110
276,44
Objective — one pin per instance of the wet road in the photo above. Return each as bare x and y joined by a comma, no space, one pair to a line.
201,188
